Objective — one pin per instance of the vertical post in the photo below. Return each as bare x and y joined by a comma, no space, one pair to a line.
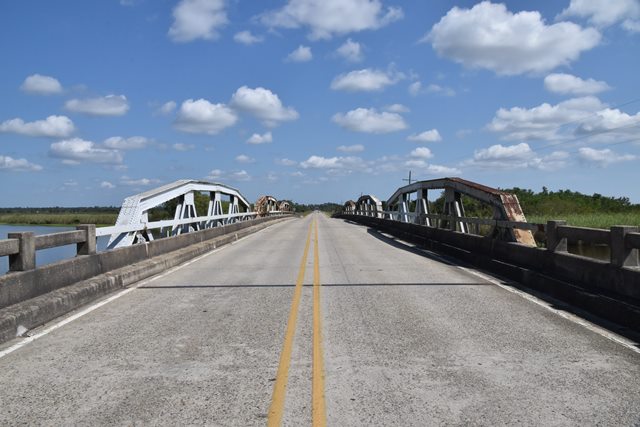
26,258
621,256
88,247
554,242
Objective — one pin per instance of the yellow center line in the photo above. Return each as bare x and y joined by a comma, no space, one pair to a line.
280,387
318,410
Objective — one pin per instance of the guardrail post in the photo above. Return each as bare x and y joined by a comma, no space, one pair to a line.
88,247
621,256
26,258
554,242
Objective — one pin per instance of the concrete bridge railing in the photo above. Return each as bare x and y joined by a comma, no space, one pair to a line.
610,288
21,247
31,295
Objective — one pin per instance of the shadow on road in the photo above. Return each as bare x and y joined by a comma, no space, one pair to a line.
551,301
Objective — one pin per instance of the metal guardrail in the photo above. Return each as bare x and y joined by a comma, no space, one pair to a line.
623,241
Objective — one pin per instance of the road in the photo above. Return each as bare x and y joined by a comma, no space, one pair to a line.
372,332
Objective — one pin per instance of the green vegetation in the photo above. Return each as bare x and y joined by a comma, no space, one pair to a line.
592,220
327,207
59,216
580,210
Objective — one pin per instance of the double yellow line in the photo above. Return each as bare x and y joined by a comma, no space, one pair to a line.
318,411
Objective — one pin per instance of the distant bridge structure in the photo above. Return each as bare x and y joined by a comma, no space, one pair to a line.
265,205
400,207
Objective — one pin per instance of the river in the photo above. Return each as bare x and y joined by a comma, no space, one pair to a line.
45,256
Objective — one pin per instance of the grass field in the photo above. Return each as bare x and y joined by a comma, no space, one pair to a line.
592,220
107,218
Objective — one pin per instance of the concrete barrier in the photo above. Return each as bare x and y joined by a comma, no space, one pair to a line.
31,298
604,289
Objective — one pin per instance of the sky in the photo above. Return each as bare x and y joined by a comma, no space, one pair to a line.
316,100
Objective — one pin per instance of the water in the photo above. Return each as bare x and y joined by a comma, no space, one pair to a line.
45,256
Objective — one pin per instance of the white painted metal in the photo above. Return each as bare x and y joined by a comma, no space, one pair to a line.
133,223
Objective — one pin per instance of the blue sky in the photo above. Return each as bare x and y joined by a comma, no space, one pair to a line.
316,100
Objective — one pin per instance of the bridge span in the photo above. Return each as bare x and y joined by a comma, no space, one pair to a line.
319,320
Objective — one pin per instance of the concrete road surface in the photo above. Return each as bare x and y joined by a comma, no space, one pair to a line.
385,337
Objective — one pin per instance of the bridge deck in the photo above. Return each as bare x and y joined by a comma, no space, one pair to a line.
406,340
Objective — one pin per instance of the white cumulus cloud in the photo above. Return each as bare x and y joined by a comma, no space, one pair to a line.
442,170
603,157
442,90
17,165
544,121
300,54
107,185
243,158
369,120
180,146
215,174
219,174
609,125
568,84
427,136
51,127
350,51
356,148
246,38
201,116
140,182
256,138
286,162
131,143
490,36
422,153
110,105
241,175
366,80
37,84
519,156
166,108
397,108
328,18
263,104
319,162
76,150
198,19
606,13
415,88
